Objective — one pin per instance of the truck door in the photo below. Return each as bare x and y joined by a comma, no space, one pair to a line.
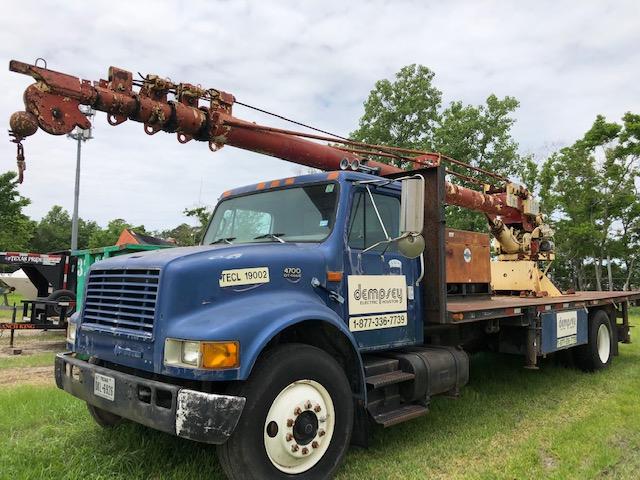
381,306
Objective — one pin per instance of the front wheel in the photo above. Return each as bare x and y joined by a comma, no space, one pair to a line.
103,418
297,420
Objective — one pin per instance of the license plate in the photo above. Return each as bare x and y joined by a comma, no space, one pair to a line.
104,386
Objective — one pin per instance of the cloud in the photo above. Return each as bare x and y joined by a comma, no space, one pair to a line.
312,61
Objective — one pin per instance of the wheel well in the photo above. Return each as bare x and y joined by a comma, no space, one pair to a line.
325,336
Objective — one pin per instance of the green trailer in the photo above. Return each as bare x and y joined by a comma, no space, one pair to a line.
88,257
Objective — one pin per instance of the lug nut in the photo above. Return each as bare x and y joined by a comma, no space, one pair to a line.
321,433
289,423
314,444
307,405
289,437
294,448
297,411
317,408
305,450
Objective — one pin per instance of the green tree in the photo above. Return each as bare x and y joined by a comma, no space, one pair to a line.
53,231
408,112
591,189
402,113
15,227
184,234
202,214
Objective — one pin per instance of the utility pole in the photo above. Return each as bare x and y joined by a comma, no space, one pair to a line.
79,135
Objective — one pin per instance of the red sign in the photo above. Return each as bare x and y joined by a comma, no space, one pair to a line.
17,326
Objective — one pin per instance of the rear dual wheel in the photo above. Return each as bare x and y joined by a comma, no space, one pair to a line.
297,420
596,354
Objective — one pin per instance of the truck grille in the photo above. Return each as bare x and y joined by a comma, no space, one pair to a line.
124,299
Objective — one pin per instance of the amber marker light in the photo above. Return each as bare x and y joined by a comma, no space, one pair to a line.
334,276
220,354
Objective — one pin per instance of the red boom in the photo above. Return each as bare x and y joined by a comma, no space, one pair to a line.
52,104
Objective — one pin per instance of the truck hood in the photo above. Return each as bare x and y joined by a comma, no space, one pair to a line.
190,276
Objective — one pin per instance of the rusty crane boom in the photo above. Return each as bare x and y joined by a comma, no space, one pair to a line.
196,113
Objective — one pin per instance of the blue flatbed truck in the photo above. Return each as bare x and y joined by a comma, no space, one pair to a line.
316,306
281,336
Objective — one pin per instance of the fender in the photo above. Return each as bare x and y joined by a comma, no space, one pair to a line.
252,320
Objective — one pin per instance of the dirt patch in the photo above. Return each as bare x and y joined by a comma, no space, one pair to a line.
32,348
27,376
549,462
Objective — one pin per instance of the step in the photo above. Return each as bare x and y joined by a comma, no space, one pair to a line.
402,414
377,365
389,378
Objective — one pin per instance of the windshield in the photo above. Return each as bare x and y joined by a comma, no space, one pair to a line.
297,214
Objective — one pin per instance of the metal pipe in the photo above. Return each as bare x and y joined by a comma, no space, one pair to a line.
76,198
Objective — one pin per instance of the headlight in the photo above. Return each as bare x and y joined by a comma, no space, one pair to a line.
71,332
192,354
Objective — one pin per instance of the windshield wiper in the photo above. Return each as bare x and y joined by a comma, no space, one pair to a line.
273,236
223,239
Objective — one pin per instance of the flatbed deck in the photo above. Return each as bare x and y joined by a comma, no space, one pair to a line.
469,309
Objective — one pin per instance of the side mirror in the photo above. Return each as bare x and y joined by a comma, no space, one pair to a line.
411,242
412,206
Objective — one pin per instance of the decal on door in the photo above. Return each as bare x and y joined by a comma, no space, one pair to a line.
377,294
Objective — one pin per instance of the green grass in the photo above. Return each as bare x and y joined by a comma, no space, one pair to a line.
35,360
509,424
13,298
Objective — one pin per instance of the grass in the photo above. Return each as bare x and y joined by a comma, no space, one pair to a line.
510,423
36,360
14,298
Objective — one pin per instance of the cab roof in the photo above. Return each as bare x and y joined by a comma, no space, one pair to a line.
338,175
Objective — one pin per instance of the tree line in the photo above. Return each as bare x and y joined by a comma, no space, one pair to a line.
52,232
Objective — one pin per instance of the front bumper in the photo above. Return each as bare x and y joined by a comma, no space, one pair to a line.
199,416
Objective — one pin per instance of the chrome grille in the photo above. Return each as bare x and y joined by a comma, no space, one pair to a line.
124,299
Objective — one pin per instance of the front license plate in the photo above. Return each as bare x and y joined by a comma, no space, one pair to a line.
104,386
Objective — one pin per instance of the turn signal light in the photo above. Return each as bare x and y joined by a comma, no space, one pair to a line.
220,354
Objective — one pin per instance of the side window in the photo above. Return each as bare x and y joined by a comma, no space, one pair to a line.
364,226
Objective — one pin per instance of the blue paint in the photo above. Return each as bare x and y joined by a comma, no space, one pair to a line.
549,335
191,304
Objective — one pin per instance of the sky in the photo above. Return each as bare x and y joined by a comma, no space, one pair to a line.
314,61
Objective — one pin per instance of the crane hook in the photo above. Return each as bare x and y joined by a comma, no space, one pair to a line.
22,165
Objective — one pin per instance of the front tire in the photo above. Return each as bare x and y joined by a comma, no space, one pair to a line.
103,418
598,352
297,420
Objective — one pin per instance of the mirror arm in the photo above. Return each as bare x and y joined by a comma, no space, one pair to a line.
389,241
419,279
